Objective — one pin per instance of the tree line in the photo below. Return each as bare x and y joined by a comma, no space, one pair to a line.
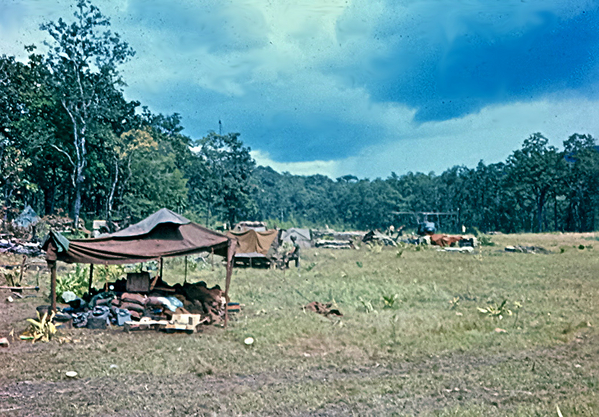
71,142
538,188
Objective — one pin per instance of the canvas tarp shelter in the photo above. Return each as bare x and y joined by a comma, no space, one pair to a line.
302,237
253,244
163,234
28,217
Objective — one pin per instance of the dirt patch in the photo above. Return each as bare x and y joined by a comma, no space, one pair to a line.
414,388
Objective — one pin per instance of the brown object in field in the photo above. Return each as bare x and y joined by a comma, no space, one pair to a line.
444,240
324,309
3,342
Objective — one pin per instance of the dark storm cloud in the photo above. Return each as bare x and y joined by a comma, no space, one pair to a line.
478,68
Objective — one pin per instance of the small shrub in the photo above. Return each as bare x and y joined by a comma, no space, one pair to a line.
75,281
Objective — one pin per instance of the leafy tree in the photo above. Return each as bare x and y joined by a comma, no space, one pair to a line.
533,171
83,62
581,181
222,177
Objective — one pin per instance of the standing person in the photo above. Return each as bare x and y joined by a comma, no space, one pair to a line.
295,254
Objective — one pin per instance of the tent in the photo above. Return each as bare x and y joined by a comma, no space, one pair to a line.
163,234
302,237
253,245
28,217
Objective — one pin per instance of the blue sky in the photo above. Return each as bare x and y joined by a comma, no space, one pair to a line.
364,87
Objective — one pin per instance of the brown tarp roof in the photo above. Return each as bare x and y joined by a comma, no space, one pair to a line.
163,234
251,241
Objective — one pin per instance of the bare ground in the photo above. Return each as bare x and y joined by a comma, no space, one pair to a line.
421,387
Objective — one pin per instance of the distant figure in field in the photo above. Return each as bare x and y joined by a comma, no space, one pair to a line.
294,255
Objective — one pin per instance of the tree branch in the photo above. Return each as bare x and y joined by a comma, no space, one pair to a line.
70,160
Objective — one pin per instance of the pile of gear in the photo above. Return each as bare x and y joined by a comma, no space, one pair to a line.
118,307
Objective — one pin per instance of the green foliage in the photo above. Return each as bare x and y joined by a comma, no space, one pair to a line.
485,240
75,281
311,266
109,273
389,300
496,311
41,329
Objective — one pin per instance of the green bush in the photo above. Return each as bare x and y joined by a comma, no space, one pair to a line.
75,281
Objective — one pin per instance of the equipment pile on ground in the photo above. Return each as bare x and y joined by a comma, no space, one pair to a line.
171,308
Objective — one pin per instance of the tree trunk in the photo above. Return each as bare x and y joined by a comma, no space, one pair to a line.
77,205
555,227
111,196
540,204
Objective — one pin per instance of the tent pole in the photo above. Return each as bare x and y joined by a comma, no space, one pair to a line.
161,264
91,279
185,281
230,255
52,266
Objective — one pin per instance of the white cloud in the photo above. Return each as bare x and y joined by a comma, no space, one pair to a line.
328,168
490,135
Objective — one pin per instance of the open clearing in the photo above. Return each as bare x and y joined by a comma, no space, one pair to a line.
428,350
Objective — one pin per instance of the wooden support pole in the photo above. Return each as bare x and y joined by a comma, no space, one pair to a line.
91,279
161,265
230,255
52,286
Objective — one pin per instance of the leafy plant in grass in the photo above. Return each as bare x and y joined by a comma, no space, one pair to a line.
14,277
41,329
496,311
367,305
389,301
454,303
360,264
75,281
311,266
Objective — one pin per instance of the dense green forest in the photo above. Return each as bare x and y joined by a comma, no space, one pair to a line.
71,142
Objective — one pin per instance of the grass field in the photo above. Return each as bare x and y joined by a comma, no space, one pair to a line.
412,341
